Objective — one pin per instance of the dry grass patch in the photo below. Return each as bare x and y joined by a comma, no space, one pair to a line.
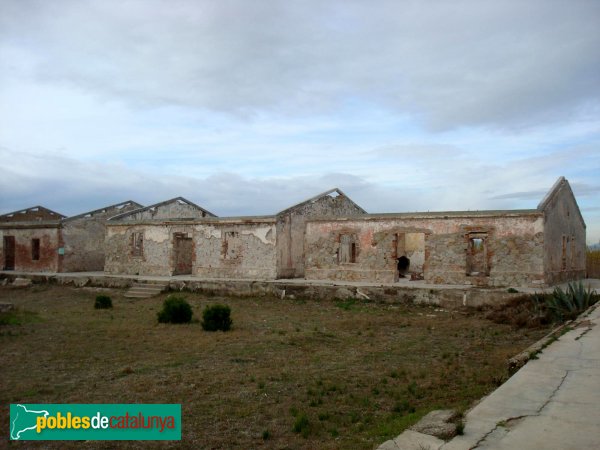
289,374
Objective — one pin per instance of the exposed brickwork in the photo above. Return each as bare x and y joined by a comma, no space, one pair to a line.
49,237
514,248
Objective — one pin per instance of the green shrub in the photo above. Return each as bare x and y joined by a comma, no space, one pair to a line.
216,317
103,302
301,425
175,310
567,305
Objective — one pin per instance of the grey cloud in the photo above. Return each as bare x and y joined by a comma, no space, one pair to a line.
505,63
520,195
584,190
72,187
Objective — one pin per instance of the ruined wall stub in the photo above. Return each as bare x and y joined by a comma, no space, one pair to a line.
291,228
564,235
513,247
84,238
230,248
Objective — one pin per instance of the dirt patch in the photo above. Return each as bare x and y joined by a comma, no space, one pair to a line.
290,374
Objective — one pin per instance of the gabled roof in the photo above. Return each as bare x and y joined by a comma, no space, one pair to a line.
180,200
330,193
33,214
562,182
117,206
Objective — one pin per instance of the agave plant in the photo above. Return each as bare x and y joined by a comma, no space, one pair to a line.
567,305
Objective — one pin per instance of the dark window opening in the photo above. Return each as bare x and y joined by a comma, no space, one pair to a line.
348,250
35,249
137,244
229,245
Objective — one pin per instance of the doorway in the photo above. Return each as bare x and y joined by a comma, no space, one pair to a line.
183,250
9,253
477,255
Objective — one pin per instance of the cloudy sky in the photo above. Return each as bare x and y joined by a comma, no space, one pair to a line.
247,107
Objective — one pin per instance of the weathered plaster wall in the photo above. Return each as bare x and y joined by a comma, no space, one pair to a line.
236,249
220,248
291,227
564,237
514,248
50,241
84,239
155,258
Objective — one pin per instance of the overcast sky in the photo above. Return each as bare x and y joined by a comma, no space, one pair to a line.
247,107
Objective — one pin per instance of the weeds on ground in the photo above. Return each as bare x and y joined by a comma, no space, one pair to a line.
535,310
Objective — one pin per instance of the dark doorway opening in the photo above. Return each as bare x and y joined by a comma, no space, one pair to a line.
403,266
183,252
9,253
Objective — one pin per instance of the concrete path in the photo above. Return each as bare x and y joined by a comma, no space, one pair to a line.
551,403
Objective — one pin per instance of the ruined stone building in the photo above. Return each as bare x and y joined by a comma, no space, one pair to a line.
154,240
327,237
30,240
40,240
163,239
538,246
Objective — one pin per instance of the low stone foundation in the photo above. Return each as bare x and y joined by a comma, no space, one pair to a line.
454,297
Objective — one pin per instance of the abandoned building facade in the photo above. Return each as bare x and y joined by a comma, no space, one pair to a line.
195,242
327,237
40,240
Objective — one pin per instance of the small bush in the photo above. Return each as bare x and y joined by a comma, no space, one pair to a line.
301,425
103,302
175,310
216,317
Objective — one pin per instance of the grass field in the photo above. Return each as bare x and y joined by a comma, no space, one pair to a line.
290,374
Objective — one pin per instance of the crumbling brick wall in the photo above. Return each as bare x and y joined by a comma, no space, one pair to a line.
243,248
47,258
154,257
513,248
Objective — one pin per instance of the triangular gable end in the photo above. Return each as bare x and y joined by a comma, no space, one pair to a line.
33,214
331,193
116,207
561,184
156,206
